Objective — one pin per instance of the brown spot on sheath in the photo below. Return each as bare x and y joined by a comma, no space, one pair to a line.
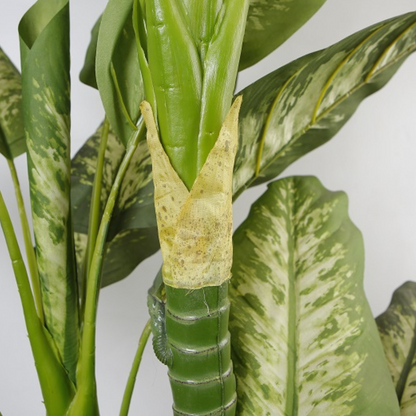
164,209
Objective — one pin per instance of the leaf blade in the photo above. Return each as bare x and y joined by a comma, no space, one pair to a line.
87,74
271,23
44,36
297,292
116,48
301,106
397,328
134,221
12,135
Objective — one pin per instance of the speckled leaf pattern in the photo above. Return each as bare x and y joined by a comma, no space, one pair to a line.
133,232
12,135
299,107
272,22
303,337
117,53
397,328
44,36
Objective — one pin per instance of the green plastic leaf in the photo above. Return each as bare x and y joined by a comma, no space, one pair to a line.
303,336
87,74
272,22
299,107
118,70
12,135
397,327
274,132
44,39
133,233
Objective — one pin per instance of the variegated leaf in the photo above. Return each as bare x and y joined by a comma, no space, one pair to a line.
303,337
397,328
133,233
44,39
299,107
272,22
12,135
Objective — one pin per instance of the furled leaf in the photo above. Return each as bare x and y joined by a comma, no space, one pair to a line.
397,327
118,71
87,74
133,233
44,39
272,22
299,107
276,126
12,135
303,336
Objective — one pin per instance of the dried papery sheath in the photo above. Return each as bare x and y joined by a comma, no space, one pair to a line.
195,227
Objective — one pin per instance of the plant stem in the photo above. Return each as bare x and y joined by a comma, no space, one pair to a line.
95,210
85,401
30,252
57,389
128,393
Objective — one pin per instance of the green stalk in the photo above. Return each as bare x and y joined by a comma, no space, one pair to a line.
95,209
200,372
30,252
85,401
57,389
128,392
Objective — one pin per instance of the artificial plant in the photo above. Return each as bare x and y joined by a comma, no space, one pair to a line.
302,336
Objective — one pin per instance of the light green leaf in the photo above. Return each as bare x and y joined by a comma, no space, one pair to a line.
118,70
272,22
397,327
44,39
299,107
133,232
303,337
87,74
12,135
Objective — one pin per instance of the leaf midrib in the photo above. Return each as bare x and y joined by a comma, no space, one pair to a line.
292,379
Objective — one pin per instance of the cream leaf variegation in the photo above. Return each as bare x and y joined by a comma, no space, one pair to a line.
303,337
195,227
397,328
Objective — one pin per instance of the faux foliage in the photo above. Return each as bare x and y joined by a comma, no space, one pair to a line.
291,333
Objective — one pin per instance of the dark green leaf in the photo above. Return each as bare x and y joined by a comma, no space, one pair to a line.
397,327
133,233
87,74
272,22
118,71
12,135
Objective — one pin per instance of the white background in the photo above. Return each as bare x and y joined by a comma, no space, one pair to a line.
372,159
